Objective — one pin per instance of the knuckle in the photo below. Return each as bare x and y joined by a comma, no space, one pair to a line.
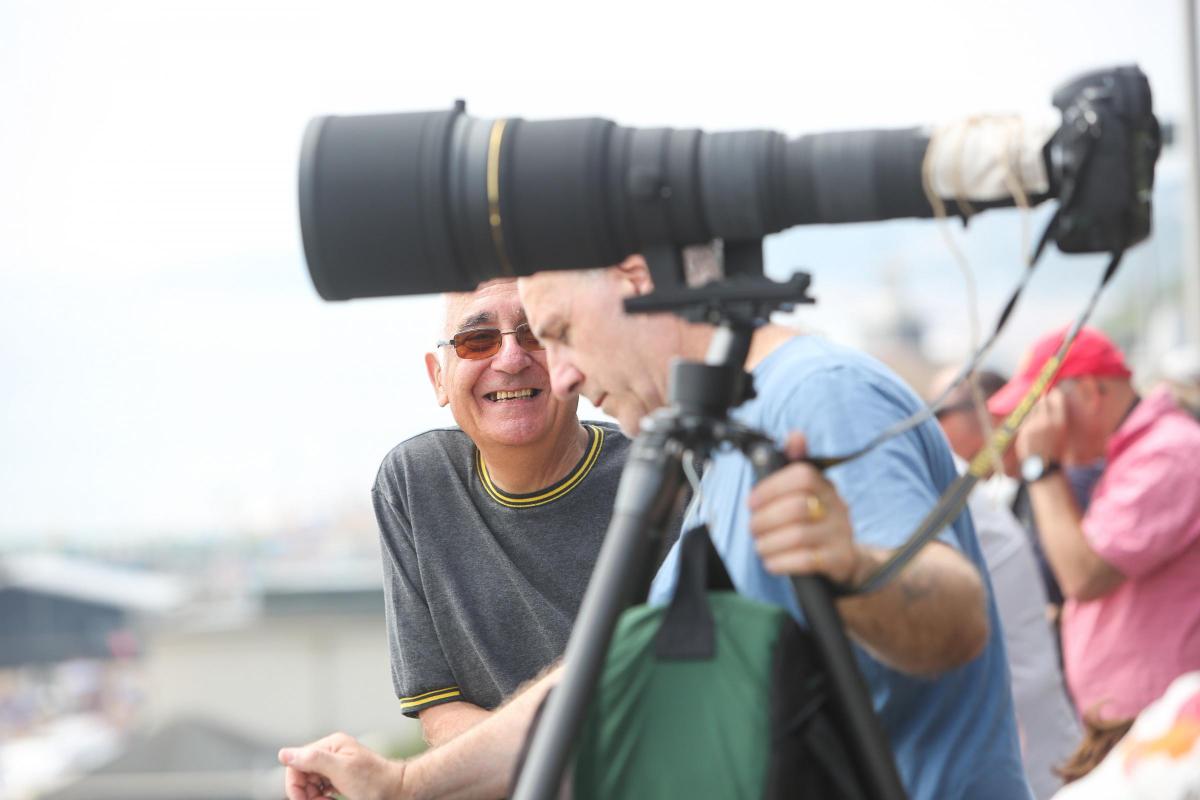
796,507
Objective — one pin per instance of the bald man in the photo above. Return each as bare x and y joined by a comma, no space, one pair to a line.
489,529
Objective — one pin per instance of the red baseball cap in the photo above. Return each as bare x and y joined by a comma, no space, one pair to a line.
1092,353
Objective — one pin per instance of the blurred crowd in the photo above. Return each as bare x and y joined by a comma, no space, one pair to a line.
32,696
1091,535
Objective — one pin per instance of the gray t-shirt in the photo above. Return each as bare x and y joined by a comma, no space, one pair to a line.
482,587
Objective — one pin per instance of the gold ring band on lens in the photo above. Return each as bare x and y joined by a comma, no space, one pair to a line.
493,191
816,509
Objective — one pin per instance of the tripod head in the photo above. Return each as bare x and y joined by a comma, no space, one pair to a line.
738,303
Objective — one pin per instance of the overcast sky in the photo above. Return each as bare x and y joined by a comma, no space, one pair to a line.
166,368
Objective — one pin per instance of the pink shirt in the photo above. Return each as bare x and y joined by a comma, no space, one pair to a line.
1125,648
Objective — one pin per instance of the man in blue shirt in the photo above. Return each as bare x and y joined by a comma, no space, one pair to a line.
928,642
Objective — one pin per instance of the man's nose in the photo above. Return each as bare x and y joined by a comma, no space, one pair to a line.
511,358
565,379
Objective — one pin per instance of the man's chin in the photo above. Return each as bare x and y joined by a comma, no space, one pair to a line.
511,435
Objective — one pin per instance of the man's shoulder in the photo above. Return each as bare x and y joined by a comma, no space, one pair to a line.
811,381
823,365
438,447
612,432
1165,446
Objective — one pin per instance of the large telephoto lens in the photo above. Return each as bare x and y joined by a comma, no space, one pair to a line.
441,201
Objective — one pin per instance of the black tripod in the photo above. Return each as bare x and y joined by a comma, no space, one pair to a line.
697,420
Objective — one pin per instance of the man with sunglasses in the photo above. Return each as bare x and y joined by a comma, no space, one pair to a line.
490,529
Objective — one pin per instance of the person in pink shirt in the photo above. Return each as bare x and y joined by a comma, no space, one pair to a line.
1130,566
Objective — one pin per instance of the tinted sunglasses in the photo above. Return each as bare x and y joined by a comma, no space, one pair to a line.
485,342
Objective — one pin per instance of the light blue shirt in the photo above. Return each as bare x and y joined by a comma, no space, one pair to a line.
954,736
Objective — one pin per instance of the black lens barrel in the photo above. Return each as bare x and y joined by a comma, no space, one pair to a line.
441,201
373,202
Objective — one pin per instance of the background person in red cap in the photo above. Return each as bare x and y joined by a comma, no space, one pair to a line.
1129,566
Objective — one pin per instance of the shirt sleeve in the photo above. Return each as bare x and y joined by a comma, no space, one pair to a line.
890,489
1145,510
420,675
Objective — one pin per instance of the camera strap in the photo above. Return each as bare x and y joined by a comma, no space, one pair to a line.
954,499
1066,205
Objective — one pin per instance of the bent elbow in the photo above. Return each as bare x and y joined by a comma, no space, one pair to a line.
974,638
959,646
968,639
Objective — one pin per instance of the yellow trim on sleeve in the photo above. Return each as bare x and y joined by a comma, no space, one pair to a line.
429,697
569,483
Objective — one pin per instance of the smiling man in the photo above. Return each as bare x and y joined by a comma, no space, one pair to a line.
489,529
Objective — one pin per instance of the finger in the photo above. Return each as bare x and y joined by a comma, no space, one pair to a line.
795,477
795,508
832,562
796,446
334,741
299,785
1058,404
793,537
309,759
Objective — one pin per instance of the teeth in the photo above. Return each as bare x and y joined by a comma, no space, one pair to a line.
513,395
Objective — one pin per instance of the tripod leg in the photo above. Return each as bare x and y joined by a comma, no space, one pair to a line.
649,485
869,744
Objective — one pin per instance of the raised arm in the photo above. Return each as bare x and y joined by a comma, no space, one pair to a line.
931,617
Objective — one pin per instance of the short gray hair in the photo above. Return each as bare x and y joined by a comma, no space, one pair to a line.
703,263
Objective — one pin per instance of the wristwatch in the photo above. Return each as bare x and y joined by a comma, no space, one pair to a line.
1034,468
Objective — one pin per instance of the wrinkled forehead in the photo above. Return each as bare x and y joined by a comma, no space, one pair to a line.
489,305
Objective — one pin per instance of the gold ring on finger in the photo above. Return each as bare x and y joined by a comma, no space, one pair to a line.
816,509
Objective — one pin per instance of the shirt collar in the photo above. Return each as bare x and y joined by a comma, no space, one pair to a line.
1156,404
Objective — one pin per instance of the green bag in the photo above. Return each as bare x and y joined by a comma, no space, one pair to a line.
715,696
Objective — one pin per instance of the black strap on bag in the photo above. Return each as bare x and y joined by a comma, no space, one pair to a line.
687,631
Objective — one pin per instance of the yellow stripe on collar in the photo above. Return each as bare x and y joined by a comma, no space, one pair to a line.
552,494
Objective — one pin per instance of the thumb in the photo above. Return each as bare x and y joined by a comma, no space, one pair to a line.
796,446
307,759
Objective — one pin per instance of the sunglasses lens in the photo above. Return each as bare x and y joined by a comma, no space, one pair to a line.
477,344
526,339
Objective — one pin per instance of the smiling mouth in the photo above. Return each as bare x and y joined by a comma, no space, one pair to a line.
515,394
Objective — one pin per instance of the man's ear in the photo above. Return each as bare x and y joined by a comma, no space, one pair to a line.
635,275
433,366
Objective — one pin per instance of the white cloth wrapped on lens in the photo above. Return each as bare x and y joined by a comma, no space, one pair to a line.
978,158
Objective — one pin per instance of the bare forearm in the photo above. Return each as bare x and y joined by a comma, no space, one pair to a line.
478,764
1081,573
442,723
929,618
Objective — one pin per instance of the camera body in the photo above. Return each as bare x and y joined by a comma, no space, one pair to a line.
1102,161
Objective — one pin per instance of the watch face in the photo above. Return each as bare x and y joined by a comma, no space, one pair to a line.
1032,468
